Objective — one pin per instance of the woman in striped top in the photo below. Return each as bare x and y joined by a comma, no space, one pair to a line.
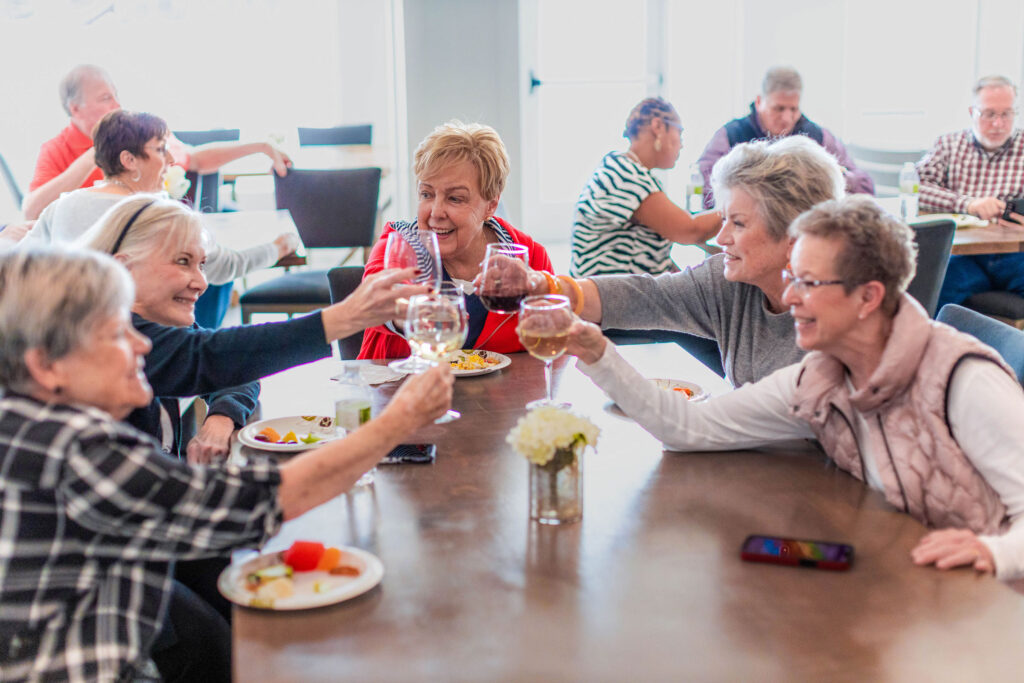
625,223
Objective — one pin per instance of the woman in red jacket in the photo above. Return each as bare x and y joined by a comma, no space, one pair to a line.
461,171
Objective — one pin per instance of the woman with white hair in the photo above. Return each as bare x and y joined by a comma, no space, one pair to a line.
734,297
925,414
93,514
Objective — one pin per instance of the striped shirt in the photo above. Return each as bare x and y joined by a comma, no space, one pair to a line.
605,238
957,170
92,515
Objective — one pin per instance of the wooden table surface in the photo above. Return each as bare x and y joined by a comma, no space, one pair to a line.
241,229
988,239
648,587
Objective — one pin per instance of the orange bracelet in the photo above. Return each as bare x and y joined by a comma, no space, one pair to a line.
577,290
553,286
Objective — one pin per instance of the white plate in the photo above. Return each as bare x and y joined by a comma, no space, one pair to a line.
503,362
231,583
283,425
667,384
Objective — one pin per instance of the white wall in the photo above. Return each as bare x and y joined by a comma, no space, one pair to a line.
461,62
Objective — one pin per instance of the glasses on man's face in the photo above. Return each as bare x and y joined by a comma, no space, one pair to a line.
802,286
988,115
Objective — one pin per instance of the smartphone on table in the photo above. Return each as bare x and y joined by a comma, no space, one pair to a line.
797,553
411,453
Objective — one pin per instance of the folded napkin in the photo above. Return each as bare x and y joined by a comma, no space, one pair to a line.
410,453
376,374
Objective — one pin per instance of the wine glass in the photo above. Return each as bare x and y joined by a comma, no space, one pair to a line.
504,282
414,250
417,249
436,326
544,323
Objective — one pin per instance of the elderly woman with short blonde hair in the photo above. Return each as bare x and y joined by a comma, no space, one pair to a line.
925,414
461,170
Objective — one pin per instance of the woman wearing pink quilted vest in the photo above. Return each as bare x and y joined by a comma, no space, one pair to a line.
927,415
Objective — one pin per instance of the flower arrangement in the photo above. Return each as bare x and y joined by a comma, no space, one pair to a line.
544,432
175,182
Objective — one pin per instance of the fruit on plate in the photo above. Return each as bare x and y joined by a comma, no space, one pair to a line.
268,434
303,556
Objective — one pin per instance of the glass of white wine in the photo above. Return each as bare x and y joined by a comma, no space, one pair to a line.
436,327
544,323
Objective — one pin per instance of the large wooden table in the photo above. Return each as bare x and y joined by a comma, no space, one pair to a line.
987,239
648,587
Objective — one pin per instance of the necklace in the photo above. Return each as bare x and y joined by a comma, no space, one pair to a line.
119,183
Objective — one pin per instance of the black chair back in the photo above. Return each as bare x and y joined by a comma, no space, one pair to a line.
344,280
12,184
361,134
332,208
934,241
1006,339
204,192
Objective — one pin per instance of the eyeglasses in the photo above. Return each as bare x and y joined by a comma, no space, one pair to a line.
801,286
988,116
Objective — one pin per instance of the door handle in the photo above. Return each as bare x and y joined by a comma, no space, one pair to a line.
534,81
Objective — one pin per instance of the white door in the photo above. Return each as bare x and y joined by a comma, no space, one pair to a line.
583,65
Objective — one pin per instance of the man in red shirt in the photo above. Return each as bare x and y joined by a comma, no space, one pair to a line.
66,162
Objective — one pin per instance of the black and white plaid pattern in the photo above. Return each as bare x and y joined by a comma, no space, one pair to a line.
91,516
957,170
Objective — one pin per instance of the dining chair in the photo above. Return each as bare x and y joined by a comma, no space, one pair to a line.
1000,305
12,183
1007,340
361,134
343,280
332,209
934,242
883,165
204,192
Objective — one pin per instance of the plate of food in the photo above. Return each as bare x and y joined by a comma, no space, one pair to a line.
470,362
690,390
306,575
290,434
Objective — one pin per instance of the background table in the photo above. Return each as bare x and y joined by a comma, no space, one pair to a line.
241,229
313,157
649,586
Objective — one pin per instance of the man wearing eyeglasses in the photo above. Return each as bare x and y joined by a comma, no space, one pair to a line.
975,171
775,113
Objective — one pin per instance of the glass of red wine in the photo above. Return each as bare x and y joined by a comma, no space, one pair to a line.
504,282
416,250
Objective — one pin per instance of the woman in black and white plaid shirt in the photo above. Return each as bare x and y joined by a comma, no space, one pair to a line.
92,513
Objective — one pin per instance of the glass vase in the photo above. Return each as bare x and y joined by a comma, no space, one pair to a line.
556,488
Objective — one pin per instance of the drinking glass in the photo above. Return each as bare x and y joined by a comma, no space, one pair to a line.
504,281
417,250
438,326
420,250
544,323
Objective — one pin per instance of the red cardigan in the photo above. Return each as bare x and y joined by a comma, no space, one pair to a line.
380,342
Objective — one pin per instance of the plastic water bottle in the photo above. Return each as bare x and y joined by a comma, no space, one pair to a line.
352,405
695,190
910,186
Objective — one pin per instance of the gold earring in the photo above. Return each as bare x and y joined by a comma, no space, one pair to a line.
657,144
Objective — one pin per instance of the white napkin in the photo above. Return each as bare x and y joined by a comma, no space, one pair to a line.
377,374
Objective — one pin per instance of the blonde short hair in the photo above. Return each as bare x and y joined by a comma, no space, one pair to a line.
159,223
873,246
785,178
53,297
455,142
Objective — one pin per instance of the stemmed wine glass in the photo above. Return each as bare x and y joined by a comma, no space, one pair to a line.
418,249
544,323
436,326
503,282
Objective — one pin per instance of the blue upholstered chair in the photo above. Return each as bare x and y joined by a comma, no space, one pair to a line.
1007,340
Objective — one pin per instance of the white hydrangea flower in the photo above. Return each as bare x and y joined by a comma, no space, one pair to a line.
542,431
175,182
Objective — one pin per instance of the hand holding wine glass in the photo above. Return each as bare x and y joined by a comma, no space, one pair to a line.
504,280
436,326
544,323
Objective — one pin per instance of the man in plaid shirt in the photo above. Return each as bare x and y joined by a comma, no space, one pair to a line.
975,171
